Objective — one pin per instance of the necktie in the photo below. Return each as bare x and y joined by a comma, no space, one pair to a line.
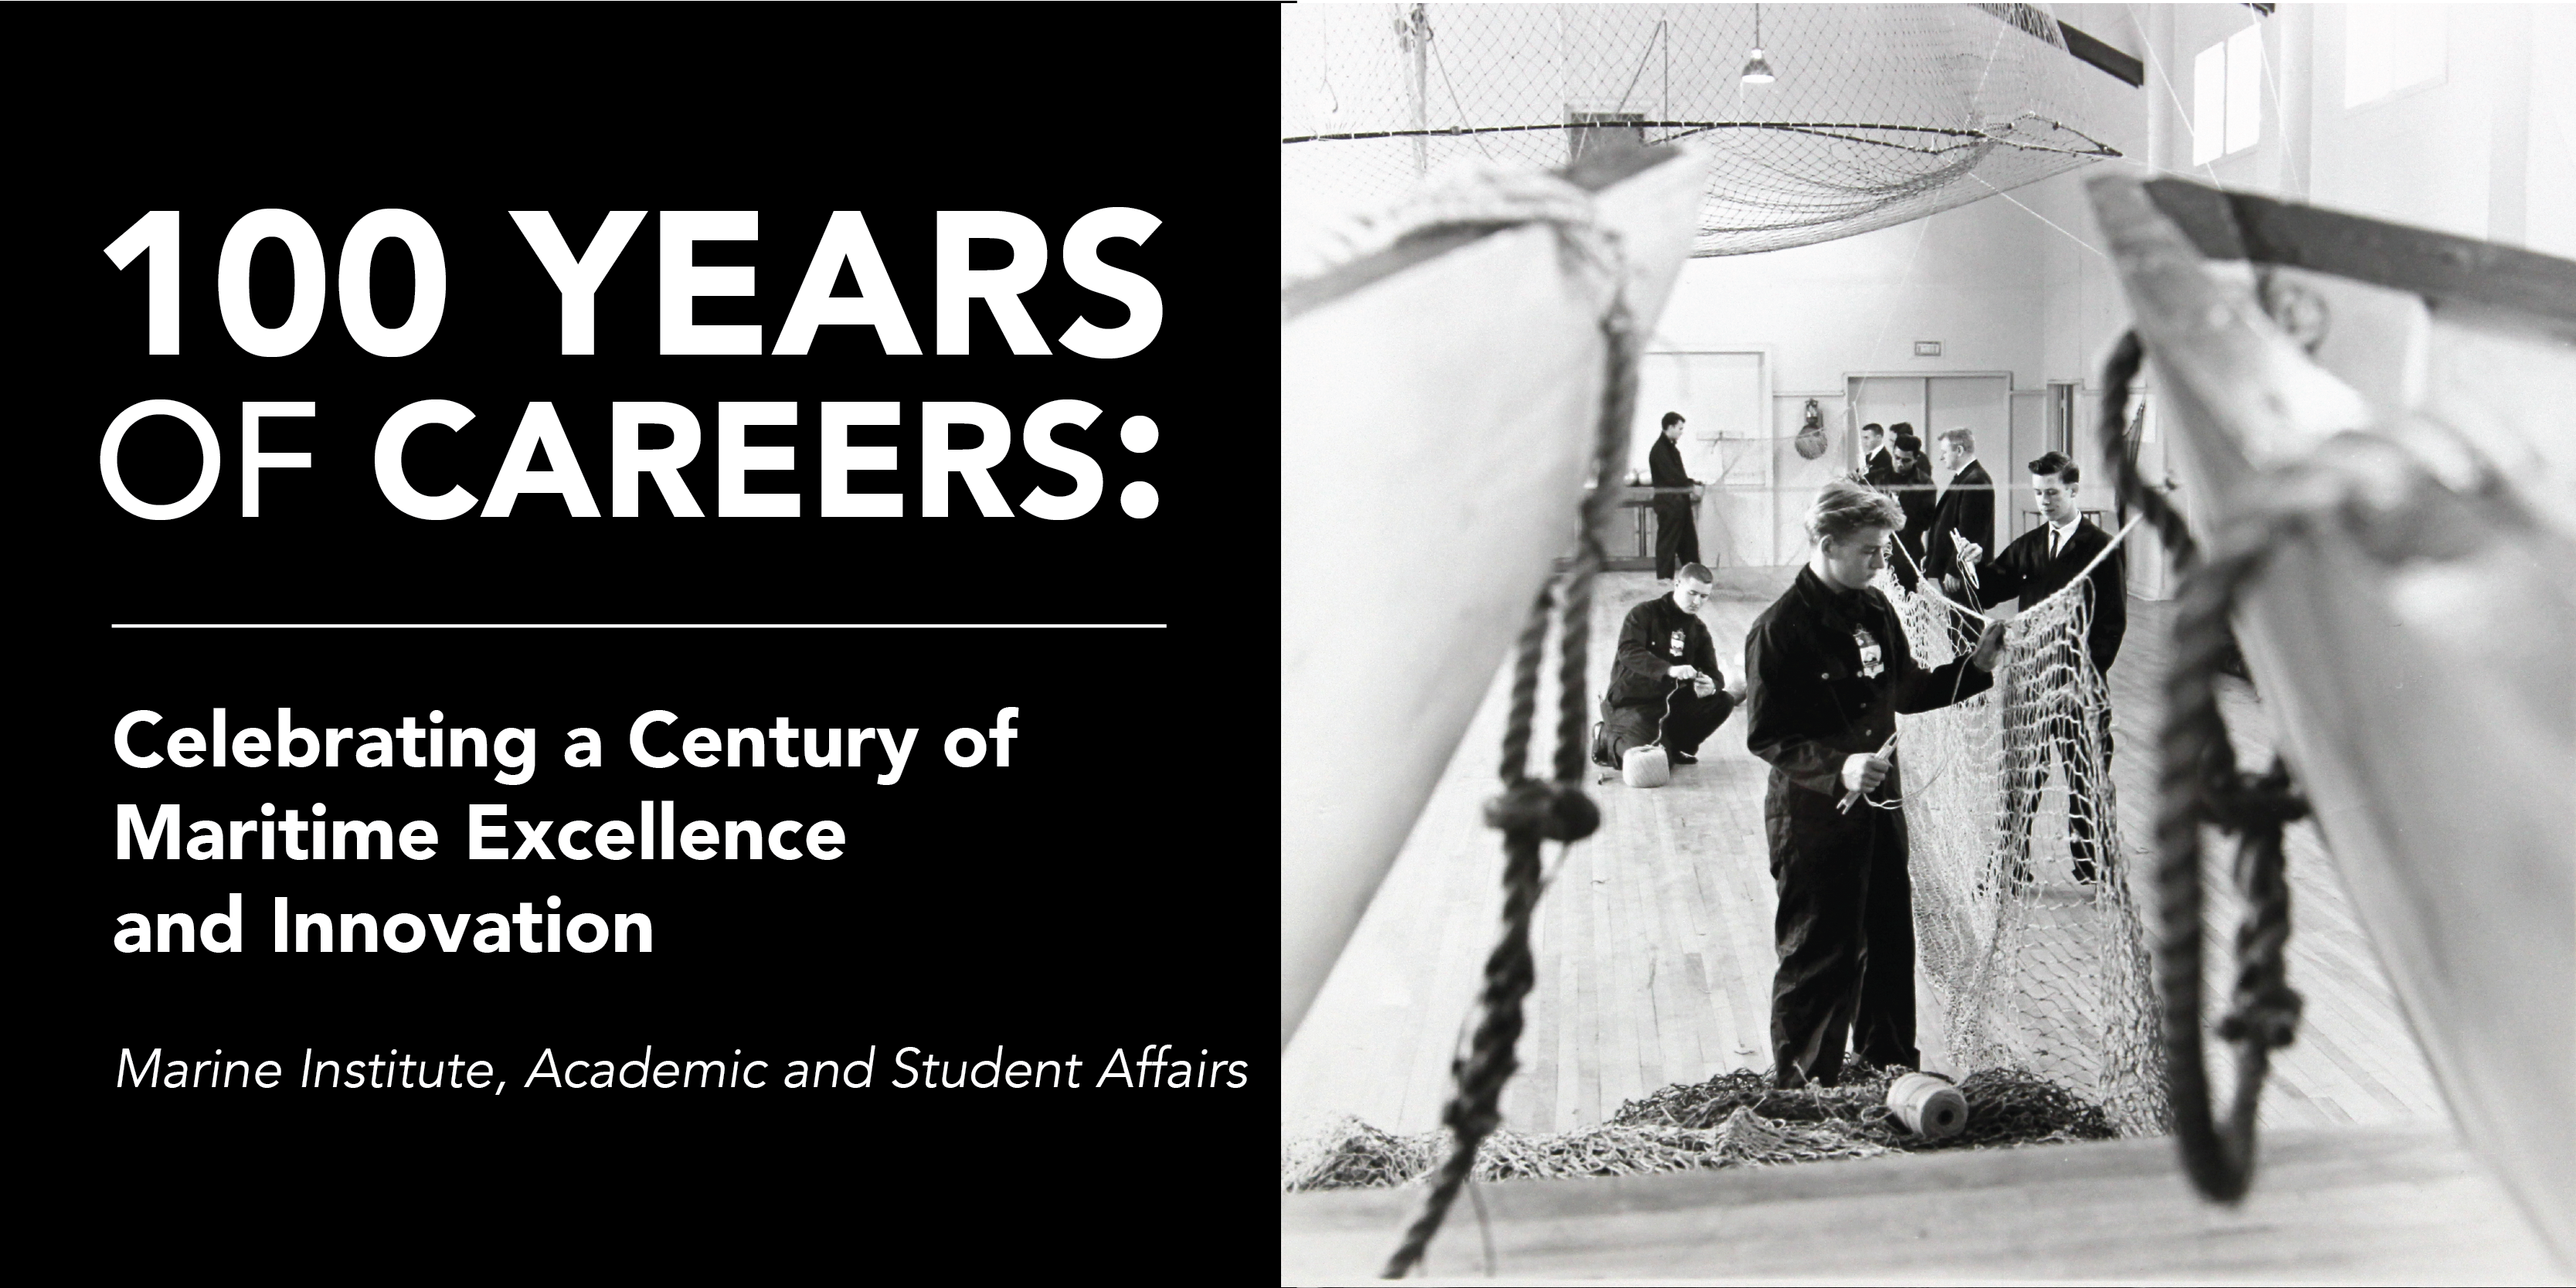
2056,541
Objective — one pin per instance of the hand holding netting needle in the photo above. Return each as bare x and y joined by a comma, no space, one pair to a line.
1968,562
1853,796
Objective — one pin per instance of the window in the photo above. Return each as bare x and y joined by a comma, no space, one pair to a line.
2244,89
2390,47
2227,97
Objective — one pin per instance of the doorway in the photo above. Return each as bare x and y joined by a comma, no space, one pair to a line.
1977,401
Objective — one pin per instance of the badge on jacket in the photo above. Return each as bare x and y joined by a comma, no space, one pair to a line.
1678,644
1869,656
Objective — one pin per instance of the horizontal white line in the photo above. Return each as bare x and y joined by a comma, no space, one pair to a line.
638,626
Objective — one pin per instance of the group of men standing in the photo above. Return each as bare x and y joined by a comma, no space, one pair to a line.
1827,668
1937,516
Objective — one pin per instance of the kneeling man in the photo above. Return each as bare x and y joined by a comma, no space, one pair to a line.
1668,662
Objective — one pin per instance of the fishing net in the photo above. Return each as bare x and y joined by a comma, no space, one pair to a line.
1732,1120
2025,923
1877,114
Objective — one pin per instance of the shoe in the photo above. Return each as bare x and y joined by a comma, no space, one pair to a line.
1601,745
1681,757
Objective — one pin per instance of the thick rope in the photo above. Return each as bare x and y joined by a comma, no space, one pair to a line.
2126,358
2199,782
1530,812
1526,653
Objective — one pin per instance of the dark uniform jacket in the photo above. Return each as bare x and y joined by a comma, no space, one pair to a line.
1878,469
1913,490
1817,696
2025,569
1665,460
1657,636
1966,508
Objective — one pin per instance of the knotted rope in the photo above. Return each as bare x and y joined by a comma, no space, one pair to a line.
1530,810
2199,782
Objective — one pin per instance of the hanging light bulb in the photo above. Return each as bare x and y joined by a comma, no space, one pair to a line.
1757,71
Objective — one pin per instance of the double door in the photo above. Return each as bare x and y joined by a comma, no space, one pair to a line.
1982,403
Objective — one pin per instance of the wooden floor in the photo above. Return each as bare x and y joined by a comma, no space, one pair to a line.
2390,1204
1654,939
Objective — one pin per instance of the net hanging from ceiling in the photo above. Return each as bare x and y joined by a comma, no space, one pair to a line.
1877,114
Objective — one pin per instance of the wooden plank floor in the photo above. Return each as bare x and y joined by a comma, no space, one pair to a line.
1654,939
2390,1204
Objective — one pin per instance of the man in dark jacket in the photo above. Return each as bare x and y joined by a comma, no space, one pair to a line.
1676,533
1827,671
1666,661
1876,467
1912,487
1965,512
2034,567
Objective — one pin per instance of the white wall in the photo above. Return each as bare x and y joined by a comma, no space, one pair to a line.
2549,186
2483,152
2024,288
1964,277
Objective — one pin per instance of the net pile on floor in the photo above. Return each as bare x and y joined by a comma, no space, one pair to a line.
2038,964
1878,113
1733,1119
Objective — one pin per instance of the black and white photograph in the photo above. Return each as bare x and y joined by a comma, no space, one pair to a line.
1927,643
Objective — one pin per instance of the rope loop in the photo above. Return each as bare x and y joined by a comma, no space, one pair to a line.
2199,782
2127,357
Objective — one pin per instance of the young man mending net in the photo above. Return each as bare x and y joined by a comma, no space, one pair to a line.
1828,669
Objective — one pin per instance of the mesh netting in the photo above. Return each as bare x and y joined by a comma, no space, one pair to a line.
2024,920
1878,113
1731,1120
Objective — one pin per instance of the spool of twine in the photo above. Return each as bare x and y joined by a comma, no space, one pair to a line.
1646,767
1928,1105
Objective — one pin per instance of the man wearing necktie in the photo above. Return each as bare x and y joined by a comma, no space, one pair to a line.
2034,567
1963,516
1877,465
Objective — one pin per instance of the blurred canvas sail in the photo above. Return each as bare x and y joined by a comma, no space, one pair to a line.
1438,407
2415,642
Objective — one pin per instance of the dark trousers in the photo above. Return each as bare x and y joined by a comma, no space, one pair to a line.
1676,534
1845,934
2058,729
1694,718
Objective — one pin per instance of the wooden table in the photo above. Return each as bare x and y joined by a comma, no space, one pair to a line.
1629,537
